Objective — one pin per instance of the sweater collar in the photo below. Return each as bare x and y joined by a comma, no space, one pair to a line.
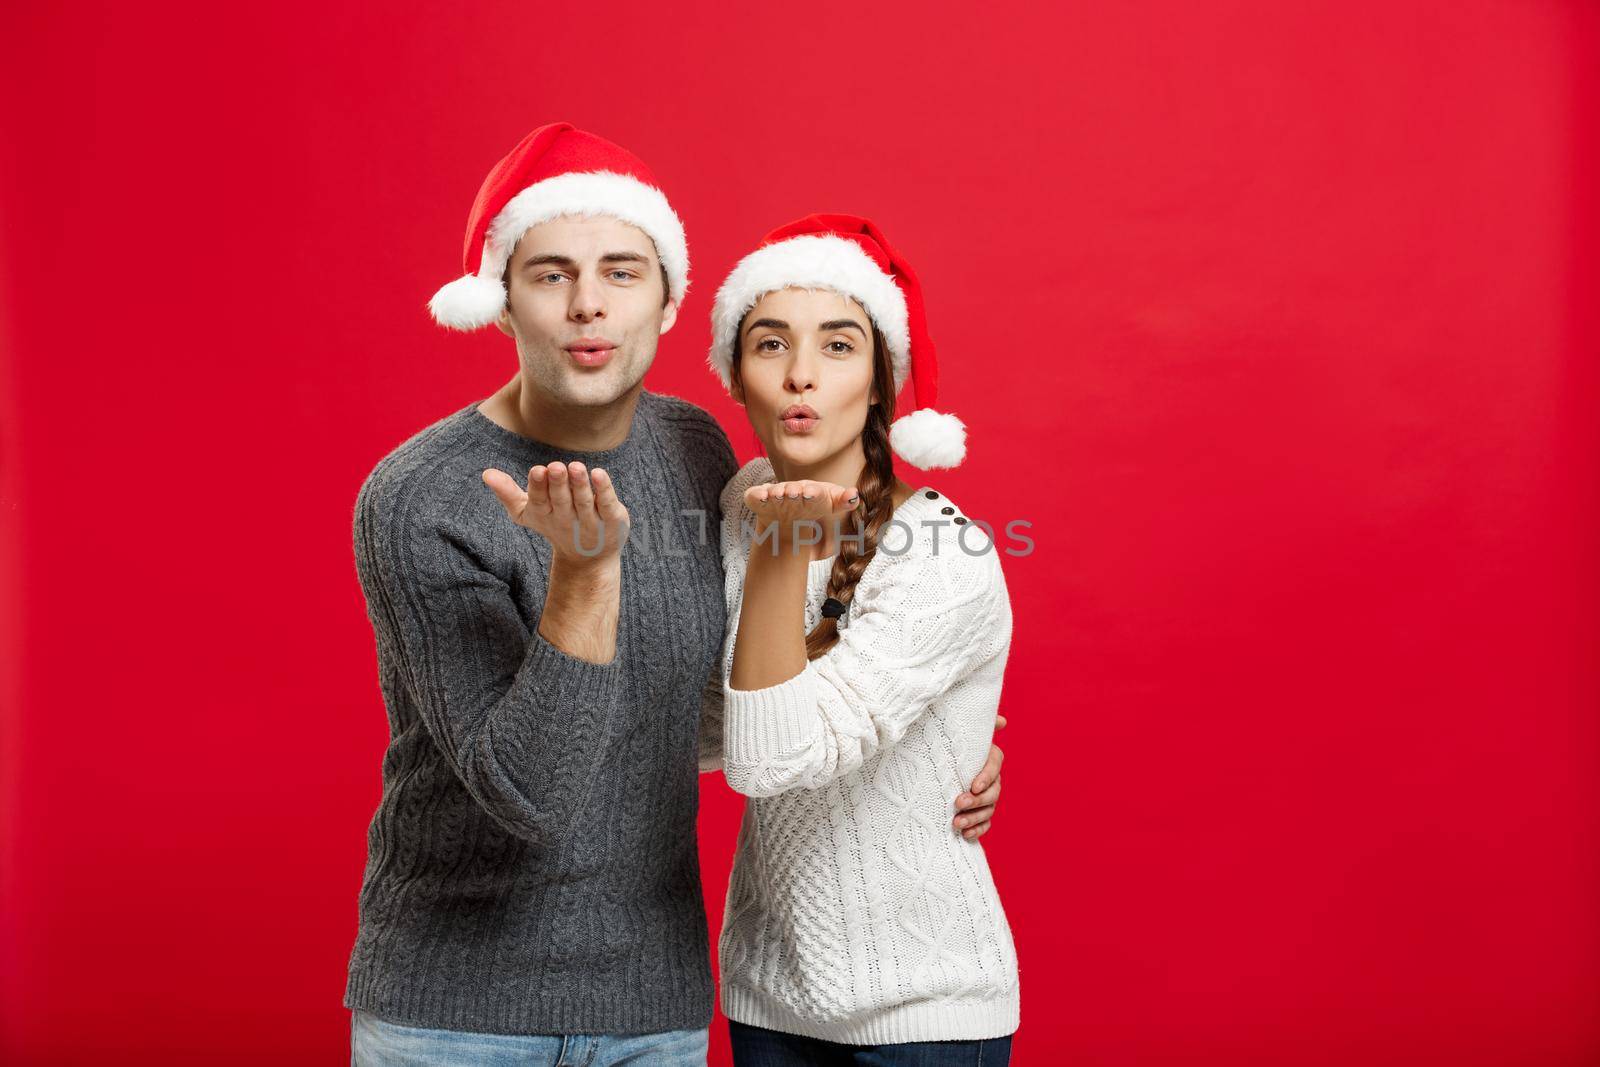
536,452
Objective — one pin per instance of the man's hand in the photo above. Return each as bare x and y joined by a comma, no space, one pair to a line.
798,508
577,512
975,807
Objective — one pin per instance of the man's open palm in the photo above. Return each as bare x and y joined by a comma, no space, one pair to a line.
576,511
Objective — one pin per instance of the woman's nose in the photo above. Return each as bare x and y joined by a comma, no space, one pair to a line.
802,376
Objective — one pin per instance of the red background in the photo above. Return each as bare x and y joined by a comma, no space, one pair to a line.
1277,321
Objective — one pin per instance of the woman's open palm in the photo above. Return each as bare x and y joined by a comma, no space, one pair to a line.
794,505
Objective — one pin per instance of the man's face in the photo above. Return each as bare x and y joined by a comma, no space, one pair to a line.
585,303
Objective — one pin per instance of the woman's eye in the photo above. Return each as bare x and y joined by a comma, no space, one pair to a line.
761,346
841,347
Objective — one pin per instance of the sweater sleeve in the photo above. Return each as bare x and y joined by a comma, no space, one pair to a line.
515,717
919,625
711,714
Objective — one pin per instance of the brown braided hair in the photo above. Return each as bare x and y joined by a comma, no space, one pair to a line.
876,489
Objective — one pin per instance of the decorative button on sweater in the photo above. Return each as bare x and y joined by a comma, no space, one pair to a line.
856,912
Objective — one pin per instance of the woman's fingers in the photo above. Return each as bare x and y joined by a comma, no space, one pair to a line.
838,497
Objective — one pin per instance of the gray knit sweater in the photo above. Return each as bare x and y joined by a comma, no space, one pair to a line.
532,865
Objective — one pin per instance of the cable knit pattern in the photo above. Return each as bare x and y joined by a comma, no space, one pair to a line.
532,864
855,912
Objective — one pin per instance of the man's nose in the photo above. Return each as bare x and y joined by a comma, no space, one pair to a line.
588,300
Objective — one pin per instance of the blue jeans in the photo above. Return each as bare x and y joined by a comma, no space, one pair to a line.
375,1042
756,1046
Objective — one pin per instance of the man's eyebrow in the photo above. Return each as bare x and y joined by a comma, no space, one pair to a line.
567,261
771,324
842,324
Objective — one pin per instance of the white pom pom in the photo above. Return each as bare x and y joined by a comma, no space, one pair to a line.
468,303
929,439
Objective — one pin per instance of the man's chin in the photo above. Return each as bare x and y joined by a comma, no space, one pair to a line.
597,387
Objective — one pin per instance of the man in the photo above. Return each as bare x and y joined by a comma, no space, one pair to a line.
532,885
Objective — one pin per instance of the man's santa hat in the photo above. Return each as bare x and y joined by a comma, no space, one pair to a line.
556,170
849,255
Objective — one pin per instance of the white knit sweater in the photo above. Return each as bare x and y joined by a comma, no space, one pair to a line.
856,913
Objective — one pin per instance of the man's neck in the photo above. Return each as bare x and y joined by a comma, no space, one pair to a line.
562,426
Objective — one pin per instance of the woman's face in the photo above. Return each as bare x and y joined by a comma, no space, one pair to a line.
806,348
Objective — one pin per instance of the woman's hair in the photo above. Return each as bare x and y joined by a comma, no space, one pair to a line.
876,489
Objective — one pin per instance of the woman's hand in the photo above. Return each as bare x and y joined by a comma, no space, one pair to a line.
576,511
794,514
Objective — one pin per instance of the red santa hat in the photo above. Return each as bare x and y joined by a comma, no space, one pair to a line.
556,170
849,255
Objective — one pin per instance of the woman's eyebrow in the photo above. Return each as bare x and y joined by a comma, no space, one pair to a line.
771,324
841,324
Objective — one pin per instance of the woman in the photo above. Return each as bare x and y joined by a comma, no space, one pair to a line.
870,626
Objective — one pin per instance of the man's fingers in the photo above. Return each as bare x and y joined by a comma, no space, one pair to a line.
582,491
977,818
991,769
538,491
505,490
560,489
605,495
979,798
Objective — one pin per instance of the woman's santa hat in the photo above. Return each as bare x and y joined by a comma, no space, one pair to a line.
556,170
848,254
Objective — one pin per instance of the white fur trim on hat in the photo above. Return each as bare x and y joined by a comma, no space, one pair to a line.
929,439
476,300
811,261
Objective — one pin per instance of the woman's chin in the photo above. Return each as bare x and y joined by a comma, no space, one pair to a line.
800,450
